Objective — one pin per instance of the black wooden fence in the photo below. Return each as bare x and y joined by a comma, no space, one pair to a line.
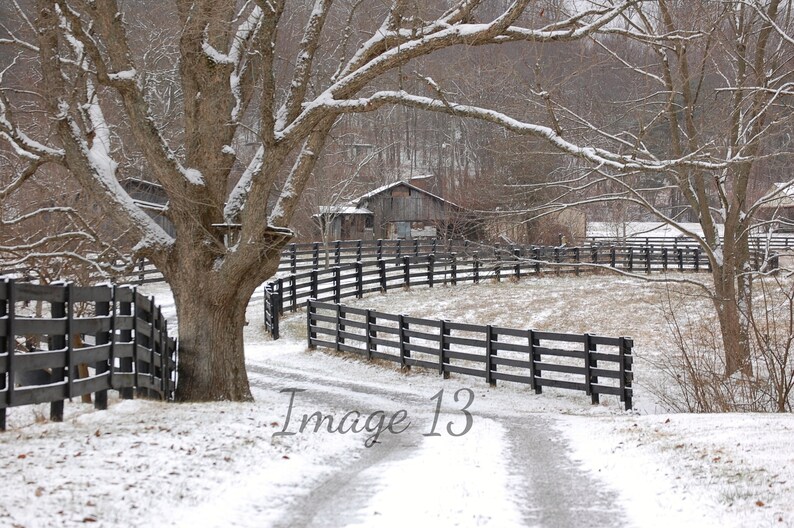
117,335
592,364
355,279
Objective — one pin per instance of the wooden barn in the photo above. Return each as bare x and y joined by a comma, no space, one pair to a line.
150,197
403,209
778,213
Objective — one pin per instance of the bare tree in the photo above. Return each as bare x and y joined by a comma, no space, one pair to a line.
233,82
705,95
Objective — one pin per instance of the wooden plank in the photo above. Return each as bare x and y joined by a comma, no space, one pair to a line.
560,384
413,347
504,376
511,347
565,369
467,371
558,352
567,338
25,291
432,323
510,362
512,332
422,335
454,354
465,327
43,326
420,363
466,341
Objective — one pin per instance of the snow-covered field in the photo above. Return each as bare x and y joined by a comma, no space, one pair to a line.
526,460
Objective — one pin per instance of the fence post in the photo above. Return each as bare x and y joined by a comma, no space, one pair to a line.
476,264
589,364
275,311
310,311
631,258
105,338
648,259
153,309
280,300
533,359
454,268
337,284
680,252
612,257
57,342
407,271
489,354
594,255
358,250
337,333
430,269
399,250
696,255
293,259
664,258
382,274
536,257
498,267
404,352
624,349
7,308
141,274
443,359
517,269
557,260
370,334
337,252
316,255
313,284
125,336
577,260
416,247
359,279
293,293
379,249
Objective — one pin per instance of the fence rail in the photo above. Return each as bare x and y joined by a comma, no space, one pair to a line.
303,257
115,335
591,364
356,279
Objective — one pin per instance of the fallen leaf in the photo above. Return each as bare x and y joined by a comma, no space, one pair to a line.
285,457
39,491
23,455
760,503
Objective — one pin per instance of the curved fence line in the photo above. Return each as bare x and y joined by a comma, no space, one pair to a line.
78,341
587,363
355,279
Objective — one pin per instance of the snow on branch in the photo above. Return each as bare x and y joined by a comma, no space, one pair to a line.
303,65
597,156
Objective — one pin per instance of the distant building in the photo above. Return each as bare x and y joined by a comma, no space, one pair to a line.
403,209
778,213
150,197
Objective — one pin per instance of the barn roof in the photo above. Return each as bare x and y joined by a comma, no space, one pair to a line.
784,196
359,202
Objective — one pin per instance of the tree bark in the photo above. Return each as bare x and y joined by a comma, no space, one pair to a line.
211,352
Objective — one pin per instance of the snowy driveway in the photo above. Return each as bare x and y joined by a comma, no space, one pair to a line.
509,469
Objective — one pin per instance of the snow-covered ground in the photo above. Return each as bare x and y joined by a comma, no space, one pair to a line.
526,460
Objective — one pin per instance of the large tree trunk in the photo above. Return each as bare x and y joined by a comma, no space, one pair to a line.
211,351
732,301
211,318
